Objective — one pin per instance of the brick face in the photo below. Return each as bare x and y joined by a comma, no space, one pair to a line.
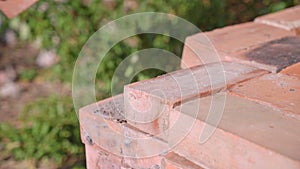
175,161
101,145
232,43
250,135
149,100
259,125
279,91
12,8
288,19
293,70
277,54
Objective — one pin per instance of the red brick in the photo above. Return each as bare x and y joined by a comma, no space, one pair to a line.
279,91
288,19
105,132
175,161
250,135
242,139
274,55
147,100
12,8
101,144
97,158
231,43
104,123
293,70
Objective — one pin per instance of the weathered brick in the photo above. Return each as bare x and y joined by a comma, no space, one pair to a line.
277,90
288,19
12,8
293,70
101,145
175,161
97,158
249,136
104,123
110,141
275,55
234,43
153,99
241,140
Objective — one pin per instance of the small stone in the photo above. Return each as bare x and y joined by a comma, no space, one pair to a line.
130,5
10,38
46,59
6,75
9,89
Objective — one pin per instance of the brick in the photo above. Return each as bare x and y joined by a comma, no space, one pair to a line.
242,139
175,161
288,19
12,8
145,101
97,158
95,119
109,142
277,54
293,70
250,135
233,43
276,90
104,123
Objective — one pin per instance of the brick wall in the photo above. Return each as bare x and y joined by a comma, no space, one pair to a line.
260,125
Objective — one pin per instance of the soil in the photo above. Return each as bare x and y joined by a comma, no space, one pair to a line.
19,58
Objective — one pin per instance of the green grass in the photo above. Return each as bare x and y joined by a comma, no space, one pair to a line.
49,130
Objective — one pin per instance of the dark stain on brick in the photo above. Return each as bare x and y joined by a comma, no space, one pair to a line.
280,53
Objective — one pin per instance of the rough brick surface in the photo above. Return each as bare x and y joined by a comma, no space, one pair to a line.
98,159
101,145
279,91
288,19
147,100
110,131
277,54
241,140
293,70
250,135
175,161
12,8
106,136
231,43
164,119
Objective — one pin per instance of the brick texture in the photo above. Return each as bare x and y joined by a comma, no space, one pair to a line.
255,84
101,145
175,161
279,91
147,100
12,8
293,70
288,19
250,135
237,43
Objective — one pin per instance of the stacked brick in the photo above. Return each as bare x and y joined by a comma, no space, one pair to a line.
260,121
12,8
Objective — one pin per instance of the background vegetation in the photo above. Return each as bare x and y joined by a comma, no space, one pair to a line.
48,127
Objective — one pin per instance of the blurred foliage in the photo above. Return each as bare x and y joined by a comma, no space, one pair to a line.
65,25
28,75
50,126
49,129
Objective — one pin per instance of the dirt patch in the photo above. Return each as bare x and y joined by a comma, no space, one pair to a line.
13,61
